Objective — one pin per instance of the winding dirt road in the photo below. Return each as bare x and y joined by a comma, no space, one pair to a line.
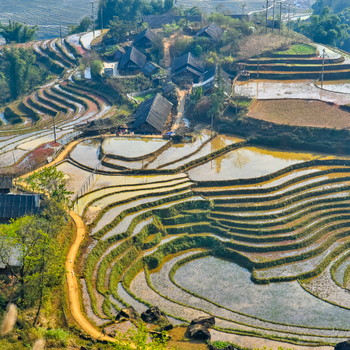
73,288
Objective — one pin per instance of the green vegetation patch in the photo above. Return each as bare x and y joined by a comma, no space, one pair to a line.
298,49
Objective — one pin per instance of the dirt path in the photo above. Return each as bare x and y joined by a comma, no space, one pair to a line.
59,158
181,110
73,288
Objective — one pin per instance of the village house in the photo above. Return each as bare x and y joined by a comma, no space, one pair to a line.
212,32
187,66
153,115
132,61
209,79
145,39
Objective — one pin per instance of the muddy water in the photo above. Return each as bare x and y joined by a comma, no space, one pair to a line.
179,150
229,285
249,162
132,147
214,145
86,152
267,89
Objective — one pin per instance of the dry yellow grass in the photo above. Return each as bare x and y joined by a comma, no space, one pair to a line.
301,112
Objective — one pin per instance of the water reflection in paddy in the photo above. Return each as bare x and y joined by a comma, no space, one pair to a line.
86,152
132,147
214,145
249,162
179,150
229,285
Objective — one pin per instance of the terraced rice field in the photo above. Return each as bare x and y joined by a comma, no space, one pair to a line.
245,249
48,14
29,144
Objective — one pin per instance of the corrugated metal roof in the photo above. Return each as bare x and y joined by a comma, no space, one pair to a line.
154,111
135,56
147,33
213,30
150,68
186,60
18,205
208,80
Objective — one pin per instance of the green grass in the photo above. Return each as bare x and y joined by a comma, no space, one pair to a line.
144,98
299,49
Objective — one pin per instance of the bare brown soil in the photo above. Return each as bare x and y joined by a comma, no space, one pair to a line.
301,112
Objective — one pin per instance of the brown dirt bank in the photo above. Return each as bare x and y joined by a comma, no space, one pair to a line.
301,113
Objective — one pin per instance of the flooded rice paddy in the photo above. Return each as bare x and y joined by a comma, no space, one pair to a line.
229,285
132,147
267,89
248,162
87,152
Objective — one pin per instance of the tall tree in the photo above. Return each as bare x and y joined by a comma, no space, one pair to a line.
84,25
49,181
17,65
18,32
33,241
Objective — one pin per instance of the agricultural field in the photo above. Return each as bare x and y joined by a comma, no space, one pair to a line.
47,14
301,112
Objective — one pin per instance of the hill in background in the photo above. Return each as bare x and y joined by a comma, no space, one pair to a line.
47,14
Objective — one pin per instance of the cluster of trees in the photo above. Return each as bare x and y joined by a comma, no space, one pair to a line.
205,49
84,25
201,106
39,242
19,73
330,23
131,10
326,28
16,32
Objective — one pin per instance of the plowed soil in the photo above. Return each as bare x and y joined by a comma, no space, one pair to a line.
301,112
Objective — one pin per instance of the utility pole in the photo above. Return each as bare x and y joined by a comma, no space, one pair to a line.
280,16
212,126
267,7
93,17
289,5
54,129
273,16
324,51
101,19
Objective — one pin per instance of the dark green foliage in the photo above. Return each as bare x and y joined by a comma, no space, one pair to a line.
20,72
12,117
84,25
17,32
